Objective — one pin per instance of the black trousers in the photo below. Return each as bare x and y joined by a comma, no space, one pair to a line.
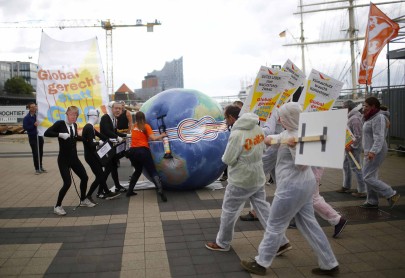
34,148
100,177
112,167
65,164
141,157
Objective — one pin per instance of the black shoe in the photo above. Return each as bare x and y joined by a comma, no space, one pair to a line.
344,190
271,181
330,272
162,196
120,189
129,193
101,195
286,247
339,227
368,206
253,267
112,195
248,217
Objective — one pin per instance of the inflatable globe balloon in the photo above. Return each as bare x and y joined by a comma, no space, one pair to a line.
197,137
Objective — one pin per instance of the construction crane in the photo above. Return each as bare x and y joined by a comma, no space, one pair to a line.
107,25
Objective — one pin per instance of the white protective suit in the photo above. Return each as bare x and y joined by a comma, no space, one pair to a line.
293,198
243,155
271,126
321,207
374,133
355,124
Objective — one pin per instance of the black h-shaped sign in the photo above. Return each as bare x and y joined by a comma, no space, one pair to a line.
322,138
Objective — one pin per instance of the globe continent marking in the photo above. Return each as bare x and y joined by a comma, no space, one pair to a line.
197,137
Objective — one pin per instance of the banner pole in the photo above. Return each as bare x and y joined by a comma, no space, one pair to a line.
314,138
39,161
355,161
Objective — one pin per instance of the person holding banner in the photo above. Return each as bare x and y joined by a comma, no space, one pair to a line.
296,185
355,125
68,160
375,149
243,155
108,127
89,134
140,155
30,124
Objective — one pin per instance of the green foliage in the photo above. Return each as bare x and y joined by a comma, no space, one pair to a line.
18,86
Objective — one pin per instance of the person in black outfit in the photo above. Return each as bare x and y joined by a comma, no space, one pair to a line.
68,159
108,127
30,124
89,134
124,120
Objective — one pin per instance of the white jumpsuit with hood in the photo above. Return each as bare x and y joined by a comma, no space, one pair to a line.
271,126
243,155
374,133
293,198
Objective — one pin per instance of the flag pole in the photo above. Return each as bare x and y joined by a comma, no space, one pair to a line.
366,86
39,161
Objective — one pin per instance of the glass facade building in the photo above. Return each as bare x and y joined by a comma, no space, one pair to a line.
171,76
26,70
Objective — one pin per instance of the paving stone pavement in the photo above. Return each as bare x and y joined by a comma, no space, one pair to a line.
143,237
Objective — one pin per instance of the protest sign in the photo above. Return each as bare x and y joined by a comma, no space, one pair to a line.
349,140
268,86
324,153
296,79
320,92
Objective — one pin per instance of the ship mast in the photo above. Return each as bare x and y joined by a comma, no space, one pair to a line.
302,38
351,30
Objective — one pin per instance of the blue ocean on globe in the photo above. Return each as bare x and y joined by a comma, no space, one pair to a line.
197,135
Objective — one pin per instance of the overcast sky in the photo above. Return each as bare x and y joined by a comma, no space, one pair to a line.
223,42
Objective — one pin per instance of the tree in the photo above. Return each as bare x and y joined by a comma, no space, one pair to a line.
18,86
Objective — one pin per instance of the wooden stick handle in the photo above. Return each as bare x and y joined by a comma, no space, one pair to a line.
314,138
355,161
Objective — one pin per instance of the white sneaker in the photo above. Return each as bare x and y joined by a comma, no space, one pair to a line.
59,210
87,203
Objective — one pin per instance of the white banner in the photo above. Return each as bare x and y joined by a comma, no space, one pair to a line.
296,79
269,85
69,73
320,92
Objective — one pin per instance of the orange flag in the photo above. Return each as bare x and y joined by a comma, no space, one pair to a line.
380,30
